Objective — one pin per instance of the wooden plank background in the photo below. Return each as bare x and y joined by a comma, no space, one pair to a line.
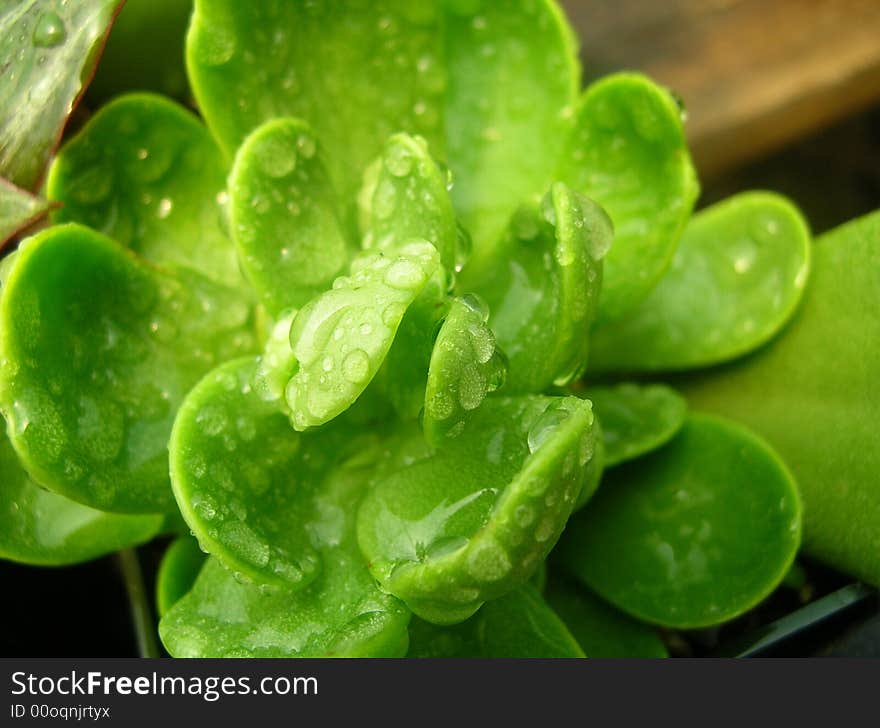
754,74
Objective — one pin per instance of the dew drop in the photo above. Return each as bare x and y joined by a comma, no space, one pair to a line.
49,31
356,366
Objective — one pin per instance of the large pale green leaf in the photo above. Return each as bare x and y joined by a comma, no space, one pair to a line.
44,528
543,288
513,80
813,393
628,152
285,215
474,522
693,534
48,51
145,172
98,349
520,624
735,281
18,209
357,72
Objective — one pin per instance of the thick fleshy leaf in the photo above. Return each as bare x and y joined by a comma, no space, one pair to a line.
341,338
356,72
406,198
513,82
465,367
628,152
18,210
736,279
145,172
636,418
285,215
48,52
600,629
473,522
543,289
693,534
44,528
98,350
813,393
342,613
144,51
178,571
520,624
246,484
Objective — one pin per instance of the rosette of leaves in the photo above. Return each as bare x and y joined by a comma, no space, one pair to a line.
373,314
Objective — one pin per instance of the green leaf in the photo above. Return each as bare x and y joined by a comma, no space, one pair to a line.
144,52
285,215
636,418
542,290
98,350
18,210
145,172
48,53
513,79
246,485
465,367
178,571
692,535
406,198
736,279
357,73
341,613
813,394
341,337
520,624
43,528
473,522
628,152
601,630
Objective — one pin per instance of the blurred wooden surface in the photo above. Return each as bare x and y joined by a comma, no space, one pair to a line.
753,74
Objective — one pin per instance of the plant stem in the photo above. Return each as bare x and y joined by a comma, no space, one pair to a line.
141,615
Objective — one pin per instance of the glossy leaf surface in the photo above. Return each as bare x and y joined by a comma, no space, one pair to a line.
48,51
341,337
246,484
600,629
98,350
693,534
520,625
735,281
177,573
628,152
465,367
636,418
544,288
145,172
285,215
513,80
407,199
44,528
473,522
356,72
813,393
342,613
